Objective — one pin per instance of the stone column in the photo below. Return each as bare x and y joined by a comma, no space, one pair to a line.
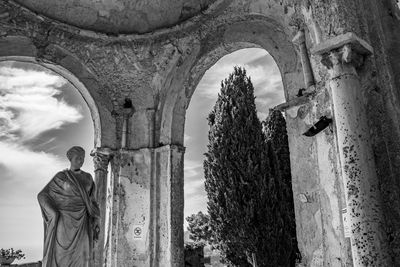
342,55
300,41
169,202
131,235
147,220
101,159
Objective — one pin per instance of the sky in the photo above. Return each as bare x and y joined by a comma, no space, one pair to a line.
42,115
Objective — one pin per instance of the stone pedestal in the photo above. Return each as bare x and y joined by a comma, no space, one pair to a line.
101,159
341,55
147,217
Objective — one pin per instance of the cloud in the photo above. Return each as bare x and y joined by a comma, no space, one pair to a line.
187,138
7,124
195,196
195,203
22,79
194,187
192,168
29,105
261,68
25,170
23,174
244,56
263,60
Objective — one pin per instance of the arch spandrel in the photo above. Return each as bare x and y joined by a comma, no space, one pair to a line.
57,59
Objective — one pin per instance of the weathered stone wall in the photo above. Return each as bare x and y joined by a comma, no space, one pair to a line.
159,72
317,186
381,89
378,23
118,16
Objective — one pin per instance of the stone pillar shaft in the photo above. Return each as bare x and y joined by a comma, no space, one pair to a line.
131,236
300,41
101,159
147,217
369,243
169,203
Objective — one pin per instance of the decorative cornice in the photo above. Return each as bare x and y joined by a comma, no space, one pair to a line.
194,21
357,44
343,49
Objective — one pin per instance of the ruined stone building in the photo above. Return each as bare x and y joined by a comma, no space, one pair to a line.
137,64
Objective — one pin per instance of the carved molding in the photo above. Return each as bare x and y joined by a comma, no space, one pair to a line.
101,158
339,41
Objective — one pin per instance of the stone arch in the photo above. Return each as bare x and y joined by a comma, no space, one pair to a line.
57,59
261,33
310,177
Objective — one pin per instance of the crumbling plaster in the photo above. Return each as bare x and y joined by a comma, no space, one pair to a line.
160,70
119,16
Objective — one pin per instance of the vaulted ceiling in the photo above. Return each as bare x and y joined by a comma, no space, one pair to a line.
118,16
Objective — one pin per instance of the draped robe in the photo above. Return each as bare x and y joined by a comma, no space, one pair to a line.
69,210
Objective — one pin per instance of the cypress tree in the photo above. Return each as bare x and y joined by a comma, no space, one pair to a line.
274,128
241,196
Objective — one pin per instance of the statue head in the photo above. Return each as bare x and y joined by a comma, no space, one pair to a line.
76,155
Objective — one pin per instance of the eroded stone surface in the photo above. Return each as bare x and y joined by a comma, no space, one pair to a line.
159,72
118,16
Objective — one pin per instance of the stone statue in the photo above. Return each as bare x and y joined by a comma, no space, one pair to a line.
70,214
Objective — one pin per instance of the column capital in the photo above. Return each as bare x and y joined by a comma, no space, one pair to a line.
299,38
101,158
345,48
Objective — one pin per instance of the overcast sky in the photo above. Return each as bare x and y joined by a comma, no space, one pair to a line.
42,115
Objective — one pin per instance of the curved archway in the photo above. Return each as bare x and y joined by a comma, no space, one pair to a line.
42,115
265,34
65,64
58,60
309,160
268,90
259,32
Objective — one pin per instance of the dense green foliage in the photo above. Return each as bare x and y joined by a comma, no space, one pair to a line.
247,194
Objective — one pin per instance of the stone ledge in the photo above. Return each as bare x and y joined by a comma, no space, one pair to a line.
360,46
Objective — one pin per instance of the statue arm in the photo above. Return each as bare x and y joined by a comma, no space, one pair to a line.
49,210
93,197
46,202
96,217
